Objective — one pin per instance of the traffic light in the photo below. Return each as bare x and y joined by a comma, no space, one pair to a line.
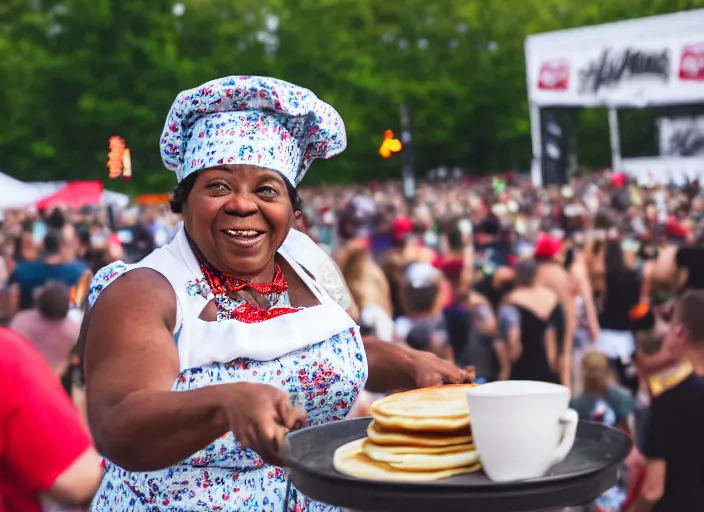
390,145
119,159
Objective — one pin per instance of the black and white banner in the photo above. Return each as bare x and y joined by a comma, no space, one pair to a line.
635,63
682,136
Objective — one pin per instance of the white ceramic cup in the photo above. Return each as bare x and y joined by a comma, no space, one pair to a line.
521,429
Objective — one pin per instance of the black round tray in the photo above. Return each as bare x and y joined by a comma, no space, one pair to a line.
589,470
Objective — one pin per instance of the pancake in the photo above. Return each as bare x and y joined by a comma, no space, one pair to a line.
410,424
422,461
437,409
379,436
350,460
418,450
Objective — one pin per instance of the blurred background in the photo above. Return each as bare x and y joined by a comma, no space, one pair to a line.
76,72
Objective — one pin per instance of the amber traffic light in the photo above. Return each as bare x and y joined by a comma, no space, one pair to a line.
390,145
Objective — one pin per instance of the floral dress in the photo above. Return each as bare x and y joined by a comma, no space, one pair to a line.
324,378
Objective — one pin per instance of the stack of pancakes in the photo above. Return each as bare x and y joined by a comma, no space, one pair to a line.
417,436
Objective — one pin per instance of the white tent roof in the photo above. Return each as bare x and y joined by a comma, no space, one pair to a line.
16,194
115,198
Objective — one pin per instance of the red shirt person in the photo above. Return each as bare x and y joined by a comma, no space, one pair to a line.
44,447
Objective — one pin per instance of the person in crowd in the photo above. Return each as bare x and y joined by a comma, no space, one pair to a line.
457,267
370,291
673,446
587,327
84,250
457,256
189,312
482,348
355,226
363,275
30,275
395,259
47,326
422,328
68,249
45,451
553,276
496,285
604,402
601,399
531,321
622,291
4,260
26,248
680,268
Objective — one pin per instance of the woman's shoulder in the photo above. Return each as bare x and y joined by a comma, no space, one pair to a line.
538,299
107,275
104,278
533,294
546,293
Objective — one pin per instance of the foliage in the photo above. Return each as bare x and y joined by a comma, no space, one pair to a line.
76,72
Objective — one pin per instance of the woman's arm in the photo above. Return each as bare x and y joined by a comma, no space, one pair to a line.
551,351
487,321
514,345
131,363
510,327
395,366
503,359
646,285
587,294
570,326
664,271
483,313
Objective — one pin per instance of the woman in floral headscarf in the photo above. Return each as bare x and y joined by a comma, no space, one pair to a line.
200,358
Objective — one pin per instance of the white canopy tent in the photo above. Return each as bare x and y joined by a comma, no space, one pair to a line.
115,199
18,194
657,61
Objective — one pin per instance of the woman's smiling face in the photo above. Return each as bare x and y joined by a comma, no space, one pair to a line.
238,216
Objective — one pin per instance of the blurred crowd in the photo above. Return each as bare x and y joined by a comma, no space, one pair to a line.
568,284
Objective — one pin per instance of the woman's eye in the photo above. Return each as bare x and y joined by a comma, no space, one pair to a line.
268,191
217,188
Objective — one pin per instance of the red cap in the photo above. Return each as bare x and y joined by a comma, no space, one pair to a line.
401,228
546,247
618,179
675,230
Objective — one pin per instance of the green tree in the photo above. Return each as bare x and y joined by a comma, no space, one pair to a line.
76,72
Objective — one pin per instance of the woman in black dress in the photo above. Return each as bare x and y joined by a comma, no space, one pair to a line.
531,321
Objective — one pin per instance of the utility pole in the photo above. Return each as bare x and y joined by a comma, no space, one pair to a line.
408,174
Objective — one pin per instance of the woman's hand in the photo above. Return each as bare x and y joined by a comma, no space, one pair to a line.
260,416
394,367
429,370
